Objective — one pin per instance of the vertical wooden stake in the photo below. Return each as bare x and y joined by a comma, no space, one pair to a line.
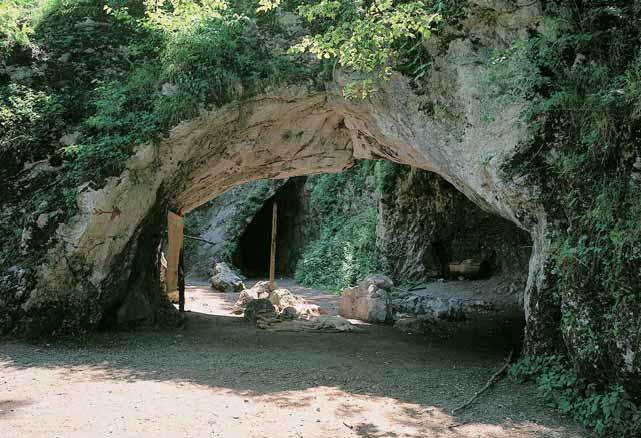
272,258
175,232
181,282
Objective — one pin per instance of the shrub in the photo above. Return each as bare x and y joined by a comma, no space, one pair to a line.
610,411
345,252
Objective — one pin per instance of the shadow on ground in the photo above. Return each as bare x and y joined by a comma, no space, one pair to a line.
419,379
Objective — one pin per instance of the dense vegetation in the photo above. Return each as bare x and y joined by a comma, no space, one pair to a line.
84,81
345,251
582,74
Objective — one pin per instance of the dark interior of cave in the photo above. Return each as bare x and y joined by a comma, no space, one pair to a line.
253,247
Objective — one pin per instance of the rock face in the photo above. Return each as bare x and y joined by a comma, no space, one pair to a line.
424,224
368,301
225,279
434,308
94,262
260,308
222,221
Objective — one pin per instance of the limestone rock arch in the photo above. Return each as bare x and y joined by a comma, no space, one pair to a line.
103,267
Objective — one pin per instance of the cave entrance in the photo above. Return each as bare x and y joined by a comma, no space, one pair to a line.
252,253
439,248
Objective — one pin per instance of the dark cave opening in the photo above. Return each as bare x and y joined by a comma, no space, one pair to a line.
253,247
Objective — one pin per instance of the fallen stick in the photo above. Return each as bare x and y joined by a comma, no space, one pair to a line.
489,383
199,239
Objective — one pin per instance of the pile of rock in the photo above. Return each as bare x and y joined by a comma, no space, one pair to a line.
261,305
261,311
437,308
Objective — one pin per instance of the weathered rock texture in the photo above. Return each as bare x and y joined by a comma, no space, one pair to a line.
296,228
225,279
460,300
97,265
369,301
424,225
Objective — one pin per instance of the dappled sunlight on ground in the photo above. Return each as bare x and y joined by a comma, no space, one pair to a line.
220,376
94,401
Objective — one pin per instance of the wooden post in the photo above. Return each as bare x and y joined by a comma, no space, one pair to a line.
175,231
181,282
272,258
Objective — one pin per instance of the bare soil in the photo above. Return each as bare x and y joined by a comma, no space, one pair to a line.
220,376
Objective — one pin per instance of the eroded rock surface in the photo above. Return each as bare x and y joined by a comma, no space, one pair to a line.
225,279
367,301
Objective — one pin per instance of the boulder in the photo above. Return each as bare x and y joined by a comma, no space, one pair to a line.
427,306
289,313
244,298
225,279
259,291
262,289
260,308
308,311
368,301
283,298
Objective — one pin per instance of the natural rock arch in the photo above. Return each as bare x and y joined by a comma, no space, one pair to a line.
109,267
104,266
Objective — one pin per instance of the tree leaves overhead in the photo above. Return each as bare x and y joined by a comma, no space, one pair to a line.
364,36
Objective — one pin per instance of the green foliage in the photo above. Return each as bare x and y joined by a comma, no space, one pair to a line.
581,77
369,37
18,19
610,411
195,55
345,253
27,118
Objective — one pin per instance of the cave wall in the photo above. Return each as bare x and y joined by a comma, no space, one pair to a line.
425,223
222,221
297,224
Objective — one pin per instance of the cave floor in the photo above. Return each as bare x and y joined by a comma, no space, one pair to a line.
220,376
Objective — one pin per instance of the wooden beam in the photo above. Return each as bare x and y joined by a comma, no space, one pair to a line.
272,257
175,229
181,282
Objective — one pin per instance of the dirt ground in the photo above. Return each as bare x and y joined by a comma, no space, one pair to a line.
220,376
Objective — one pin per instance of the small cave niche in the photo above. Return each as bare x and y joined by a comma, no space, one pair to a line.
254,245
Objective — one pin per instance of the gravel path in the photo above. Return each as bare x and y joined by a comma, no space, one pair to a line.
221,377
